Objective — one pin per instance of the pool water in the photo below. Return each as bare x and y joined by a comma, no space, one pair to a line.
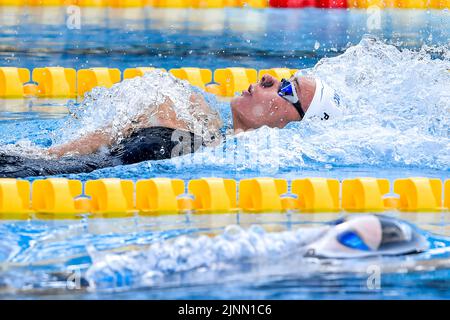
393,80
172,38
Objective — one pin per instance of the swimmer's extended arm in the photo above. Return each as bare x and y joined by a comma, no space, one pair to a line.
91,142
163,115
86,144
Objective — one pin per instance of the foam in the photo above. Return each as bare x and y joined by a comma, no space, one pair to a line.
199,254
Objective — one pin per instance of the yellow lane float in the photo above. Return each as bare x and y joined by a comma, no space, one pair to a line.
213,194
87,79
12,80
316,194
158,195
110,197
419,194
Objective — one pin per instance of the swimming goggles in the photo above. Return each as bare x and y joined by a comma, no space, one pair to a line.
287,91
352,239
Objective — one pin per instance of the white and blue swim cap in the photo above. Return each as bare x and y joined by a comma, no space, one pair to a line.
326,103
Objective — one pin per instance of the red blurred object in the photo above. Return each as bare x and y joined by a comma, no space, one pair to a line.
292,3
273,3
331,3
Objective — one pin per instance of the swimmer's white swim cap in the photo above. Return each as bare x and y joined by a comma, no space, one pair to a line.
365,236
326,103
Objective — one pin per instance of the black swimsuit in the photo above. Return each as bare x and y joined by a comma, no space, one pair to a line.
154,143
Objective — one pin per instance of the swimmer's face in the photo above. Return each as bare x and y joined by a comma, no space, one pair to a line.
261,105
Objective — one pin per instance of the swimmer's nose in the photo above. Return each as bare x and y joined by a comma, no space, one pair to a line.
267,81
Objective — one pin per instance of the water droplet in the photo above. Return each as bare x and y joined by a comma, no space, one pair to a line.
316,45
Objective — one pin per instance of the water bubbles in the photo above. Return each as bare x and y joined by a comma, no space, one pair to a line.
233,248
232,232
118,107
188,256
413,87
167,265
257,229
316,45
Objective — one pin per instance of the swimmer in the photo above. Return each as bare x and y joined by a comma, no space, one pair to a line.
158,132
353,237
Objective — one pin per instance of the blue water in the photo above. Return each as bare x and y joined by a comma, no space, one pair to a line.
121,38
394,83
166,258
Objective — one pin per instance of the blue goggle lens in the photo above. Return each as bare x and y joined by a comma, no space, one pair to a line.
352,240
285,88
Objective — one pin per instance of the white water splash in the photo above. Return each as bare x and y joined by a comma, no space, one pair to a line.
24,148
397,113
121,104
397,108
235,246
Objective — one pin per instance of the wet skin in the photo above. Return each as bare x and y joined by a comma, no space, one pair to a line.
260,105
